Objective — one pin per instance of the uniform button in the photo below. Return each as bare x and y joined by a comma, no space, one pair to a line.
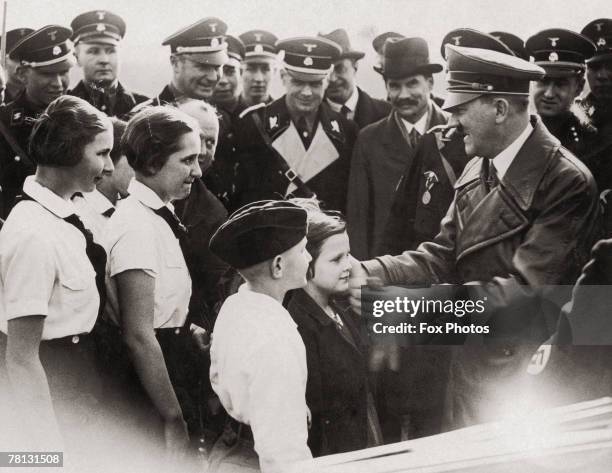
17,158
201,449
508,352
327,422
103,107
75,339
177,331
201,439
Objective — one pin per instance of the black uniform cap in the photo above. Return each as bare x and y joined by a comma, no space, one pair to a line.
100,26
46,46
561,52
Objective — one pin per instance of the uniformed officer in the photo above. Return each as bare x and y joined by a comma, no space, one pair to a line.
516,44
544,195
562,54
45,58
97,36
259,66
227,94
197,54
378,42
598,103
297,144
342,94
14,85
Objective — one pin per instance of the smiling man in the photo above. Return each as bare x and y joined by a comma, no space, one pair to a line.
342,94
296,145
386,148
44,59
524,216
97,36
562,54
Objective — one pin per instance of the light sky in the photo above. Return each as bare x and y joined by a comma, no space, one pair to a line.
145,63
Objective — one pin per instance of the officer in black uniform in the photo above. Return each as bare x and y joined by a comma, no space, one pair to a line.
296,145
516,44
259,66
227,94
197,54
45,58
598,103
97,36
562,54
14,85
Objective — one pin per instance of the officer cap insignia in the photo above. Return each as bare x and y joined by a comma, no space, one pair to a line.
213,27
553,57
601,42
457,40
100,27
52,34
258,48
309,47
553,42
101,15
308,61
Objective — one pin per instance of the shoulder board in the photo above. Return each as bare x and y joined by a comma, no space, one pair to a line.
246,111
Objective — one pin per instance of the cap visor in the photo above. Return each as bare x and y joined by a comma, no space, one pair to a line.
454,99
263,58
555,70
217,58
604,57
99,40
354,55
306,76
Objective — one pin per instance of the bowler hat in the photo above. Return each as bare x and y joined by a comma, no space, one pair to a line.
403,57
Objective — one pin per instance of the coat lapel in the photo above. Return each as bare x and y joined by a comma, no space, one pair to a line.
485,218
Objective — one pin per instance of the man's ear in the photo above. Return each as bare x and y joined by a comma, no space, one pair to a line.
276,267
22,73
502,109
174,62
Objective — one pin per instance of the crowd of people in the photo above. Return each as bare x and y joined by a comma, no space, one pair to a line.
181,276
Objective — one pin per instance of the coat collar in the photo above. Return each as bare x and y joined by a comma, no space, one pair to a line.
527,169
277,119
393,135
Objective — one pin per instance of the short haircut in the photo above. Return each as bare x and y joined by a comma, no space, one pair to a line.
64,129
321,225
119,127
197,109
520,103
152,135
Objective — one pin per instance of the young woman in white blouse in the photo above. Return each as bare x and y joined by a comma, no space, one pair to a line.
49,299
149,285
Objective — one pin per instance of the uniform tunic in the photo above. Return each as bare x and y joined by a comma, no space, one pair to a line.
116,103
258,370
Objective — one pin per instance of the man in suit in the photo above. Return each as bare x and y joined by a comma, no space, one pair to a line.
342,94
97,36
385,148
524,215
297,144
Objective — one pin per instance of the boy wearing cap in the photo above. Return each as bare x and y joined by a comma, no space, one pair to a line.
297,145
97,36
45,57
523,218
258,360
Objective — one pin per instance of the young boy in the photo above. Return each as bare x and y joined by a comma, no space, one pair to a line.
258,359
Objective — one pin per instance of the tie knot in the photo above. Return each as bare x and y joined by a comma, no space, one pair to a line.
345,111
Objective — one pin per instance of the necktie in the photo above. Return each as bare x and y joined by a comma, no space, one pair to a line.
304,132
345,111
180,232
491,176
95,253
109,212
413,137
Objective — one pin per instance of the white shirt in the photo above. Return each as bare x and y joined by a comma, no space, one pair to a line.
90,207
351,104
504,159
44,269
138,238
258,370
420,125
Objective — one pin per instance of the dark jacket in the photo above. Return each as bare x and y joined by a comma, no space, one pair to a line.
380,158
18,118
534,229
336,391
123,102
258,174
422,199
369,109
202,214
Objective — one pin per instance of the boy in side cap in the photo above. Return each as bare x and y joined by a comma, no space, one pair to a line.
258,360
